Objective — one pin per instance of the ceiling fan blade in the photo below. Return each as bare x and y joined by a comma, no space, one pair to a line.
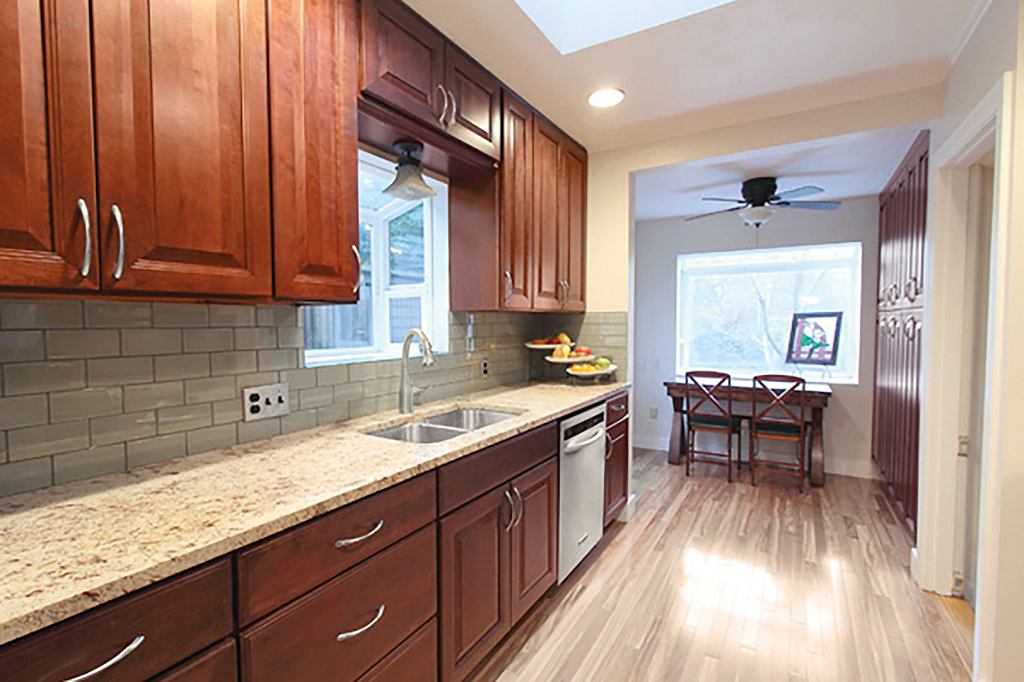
817,205
706,215
798,193
731,201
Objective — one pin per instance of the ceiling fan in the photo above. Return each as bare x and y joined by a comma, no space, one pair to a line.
761,199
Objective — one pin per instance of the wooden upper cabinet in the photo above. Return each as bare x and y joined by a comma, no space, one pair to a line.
547,282
47,169
474,94
313,59
182,140
572,208
516,232
403,60
534,536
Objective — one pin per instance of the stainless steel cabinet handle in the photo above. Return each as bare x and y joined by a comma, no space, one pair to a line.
119,221
83,210
444,112
511,512
455,109
342,636
124,653
893,325
359,269
348,542
912,289
608,445
519,496
508,284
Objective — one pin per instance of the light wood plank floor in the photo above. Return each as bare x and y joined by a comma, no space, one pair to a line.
719,582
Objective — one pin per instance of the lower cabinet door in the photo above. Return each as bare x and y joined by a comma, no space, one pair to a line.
343,628
475,609
415,659
534,536
616,472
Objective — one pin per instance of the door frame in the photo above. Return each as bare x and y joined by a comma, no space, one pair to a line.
990,124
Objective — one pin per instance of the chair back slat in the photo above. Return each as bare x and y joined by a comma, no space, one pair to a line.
711,391
784,397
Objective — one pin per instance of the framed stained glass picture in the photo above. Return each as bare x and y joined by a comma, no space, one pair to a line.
814,338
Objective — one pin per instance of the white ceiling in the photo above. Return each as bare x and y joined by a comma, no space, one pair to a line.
848,166
728,64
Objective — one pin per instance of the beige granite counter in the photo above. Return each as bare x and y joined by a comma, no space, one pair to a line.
66,549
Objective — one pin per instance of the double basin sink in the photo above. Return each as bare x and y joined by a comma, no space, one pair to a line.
443,426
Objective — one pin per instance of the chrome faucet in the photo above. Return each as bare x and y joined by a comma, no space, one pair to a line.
406,391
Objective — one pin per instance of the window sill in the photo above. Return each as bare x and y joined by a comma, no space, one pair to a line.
324,358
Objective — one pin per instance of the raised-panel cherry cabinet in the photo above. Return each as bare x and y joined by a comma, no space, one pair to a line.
516,230
548,289
474,560
474,98
572,229
48,236
182,141
534,536
403,60
313,89
902,219
409,65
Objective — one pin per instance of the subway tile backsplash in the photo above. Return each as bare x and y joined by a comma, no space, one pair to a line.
93,387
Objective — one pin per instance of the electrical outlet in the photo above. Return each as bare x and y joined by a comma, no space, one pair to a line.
265,402
653,413
485,368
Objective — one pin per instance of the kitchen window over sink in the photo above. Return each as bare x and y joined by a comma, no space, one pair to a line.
404,249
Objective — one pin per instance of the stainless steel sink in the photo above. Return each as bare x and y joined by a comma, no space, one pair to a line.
419,432
468,418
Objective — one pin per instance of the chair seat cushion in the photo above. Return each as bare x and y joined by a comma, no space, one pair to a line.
714,421
777,428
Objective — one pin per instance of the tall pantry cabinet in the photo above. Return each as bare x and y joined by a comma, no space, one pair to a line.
903,206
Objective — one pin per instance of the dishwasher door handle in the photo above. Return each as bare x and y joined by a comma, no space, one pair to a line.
572,446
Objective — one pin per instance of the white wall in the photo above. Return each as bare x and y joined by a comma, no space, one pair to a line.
658,242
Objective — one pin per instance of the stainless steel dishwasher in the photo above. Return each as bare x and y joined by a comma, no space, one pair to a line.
580,487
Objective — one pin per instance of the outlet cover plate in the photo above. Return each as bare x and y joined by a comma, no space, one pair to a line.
265,402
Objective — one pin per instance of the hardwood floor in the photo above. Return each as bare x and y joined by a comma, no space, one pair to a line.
713,581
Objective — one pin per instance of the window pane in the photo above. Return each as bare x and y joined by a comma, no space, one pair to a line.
372,183
405,247
736,310
345,326
405,314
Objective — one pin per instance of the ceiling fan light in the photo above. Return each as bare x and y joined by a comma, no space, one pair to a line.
606,97
409,183
756,216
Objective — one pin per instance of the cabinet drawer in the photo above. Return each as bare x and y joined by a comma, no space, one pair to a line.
176,619
217,664
374,607
618,408
415,660
472,476
288,565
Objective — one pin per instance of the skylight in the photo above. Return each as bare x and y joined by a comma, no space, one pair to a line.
573,25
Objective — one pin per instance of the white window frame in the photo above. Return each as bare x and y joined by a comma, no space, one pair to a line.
689,265
432,292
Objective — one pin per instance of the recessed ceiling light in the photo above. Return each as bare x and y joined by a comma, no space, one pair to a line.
606,97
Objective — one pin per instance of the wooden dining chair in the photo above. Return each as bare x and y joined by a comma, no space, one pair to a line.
778,412
709,410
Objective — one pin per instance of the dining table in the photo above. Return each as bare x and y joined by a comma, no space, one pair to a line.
742,391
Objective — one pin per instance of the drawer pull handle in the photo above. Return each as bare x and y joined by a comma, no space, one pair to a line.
135,644
355,633
618,408
348,542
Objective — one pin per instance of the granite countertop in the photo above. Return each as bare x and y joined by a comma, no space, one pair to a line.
69,548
